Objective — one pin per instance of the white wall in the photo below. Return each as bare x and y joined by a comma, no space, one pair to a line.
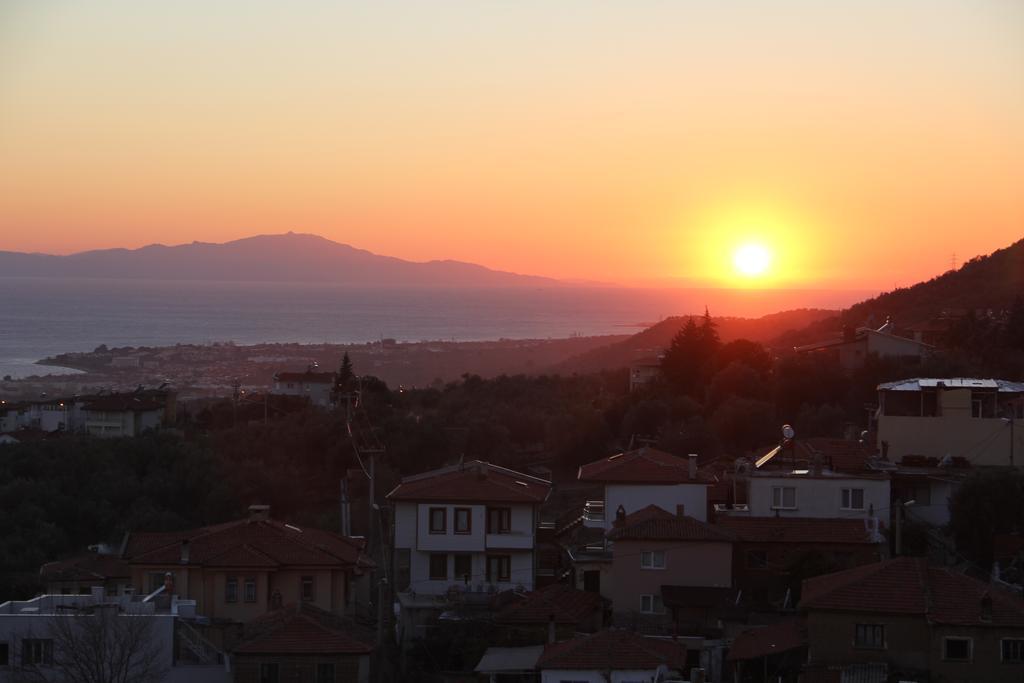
521,571
635,497
819,496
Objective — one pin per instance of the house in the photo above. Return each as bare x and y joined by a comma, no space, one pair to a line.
780,648
463,533
103,414
240,570
558,610
907,620
643,371
78,575
41,637
854,348
655,552
612,656
956,417
316,386
510,664
301,642
772,554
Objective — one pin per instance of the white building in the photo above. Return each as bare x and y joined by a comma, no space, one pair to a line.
39,637
810,493
615,656
316,386
106,415
979,420
854,348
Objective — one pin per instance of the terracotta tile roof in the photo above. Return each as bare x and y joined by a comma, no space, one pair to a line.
248,543
567,605
755,643
88,567
474,481
306,377
796,529
841,455
304,630
613,649
655,524
909,585
641,466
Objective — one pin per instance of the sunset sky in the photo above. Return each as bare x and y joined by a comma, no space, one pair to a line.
859,144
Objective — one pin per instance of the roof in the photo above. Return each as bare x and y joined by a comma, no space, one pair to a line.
122,403
909,585
641,466
561,602
655,524
764,641
613,649
248,543
919,383
305,377
696,596
304,630
797,529
474,481
509,659
88,567
840,455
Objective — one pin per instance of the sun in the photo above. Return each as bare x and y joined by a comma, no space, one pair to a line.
752,260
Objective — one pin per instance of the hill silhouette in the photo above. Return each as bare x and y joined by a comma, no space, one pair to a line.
290,257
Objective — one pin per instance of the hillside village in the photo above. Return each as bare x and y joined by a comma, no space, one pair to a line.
717,511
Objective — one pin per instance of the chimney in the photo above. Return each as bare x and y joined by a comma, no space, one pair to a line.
551,628
620,514
259,513
680,510
693,465
184,551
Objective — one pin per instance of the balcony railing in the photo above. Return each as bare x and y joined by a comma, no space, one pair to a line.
593,513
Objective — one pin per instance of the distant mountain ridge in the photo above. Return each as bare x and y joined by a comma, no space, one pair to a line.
289,257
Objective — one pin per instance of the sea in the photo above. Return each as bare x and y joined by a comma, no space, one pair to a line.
42,317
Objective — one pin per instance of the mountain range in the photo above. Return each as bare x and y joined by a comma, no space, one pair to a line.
290,257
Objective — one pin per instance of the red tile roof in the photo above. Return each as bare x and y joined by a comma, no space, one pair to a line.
122,403
655,524
567,605
304,630
613,649
796,529
909,585
841,455
641,466
769,640
474,481
248,543
88,567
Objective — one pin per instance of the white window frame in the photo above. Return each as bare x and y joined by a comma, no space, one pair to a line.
779,501
654,604
870,646
970,649
846,498
1020,649
649,559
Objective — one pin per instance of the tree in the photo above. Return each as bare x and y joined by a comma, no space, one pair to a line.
343,379
682,362
100,645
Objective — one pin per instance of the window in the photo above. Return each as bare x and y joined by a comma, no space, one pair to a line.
464,567
250,589
957,649
499,520
1013,649
439,567
36,651
853,499
869,637
651,604
307,589
324,673
652,559
5,654
783,498
268,673
463,521
438,520
499,568
231,589
757,559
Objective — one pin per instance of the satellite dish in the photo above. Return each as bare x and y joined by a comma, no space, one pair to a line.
788,432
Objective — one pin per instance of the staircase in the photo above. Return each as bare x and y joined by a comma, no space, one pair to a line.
193,647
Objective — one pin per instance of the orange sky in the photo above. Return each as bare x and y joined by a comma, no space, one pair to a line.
863,142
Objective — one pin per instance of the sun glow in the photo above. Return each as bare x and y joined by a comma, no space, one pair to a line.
752,260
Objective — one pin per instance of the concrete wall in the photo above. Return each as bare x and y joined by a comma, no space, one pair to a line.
633,497
347,669
686,564
984,441
818,496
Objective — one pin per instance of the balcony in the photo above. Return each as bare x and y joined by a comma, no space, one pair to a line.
593,513
734,510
